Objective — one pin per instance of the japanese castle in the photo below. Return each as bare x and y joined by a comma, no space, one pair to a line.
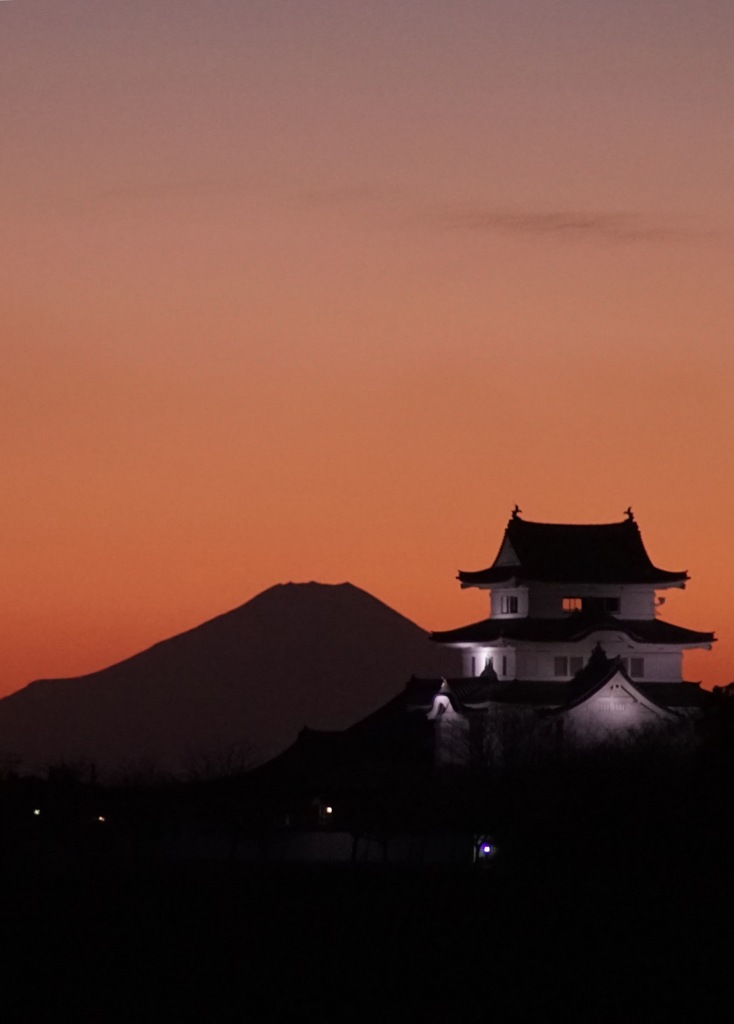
572,650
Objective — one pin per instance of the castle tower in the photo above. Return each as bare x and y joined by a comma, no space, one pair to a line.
573,640
559,590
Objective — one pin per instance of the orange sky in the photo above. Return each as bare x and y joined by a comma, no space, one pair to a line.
318,290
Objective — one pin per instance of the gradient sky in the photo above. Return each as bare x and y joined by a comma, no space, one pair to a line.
301,290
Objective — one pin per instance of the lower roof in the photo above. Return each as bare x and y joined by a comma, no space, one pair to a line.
573,628
474,694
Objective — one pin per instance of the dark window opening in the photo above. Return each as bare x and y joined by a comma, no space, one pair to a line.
565,666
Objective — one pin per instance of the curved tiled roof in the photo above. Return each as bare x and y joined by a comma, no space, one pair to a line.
572,628
565,553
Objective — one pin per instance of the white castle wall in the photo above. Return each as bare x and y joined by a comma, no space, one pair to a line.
538,662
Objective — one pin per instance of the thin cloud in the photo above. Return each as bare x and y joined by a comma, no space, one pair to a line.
392,206
561,225
572,225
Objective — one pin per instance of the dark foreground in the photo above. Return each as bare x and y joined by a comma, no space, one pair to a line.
582,938
609,899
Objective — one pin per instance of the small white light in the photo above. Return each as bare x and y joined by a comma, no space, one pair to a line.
486,848
328,810
37,811
100,817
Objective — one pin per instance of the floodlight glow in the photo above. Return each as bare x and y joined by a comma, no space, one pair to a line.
328,810
100,817
36,811
486,848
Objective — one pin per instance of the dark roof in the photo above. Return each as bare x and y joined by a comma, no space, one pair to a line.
386,743
468,693
572,628
676,695
466,689
554,552
540,694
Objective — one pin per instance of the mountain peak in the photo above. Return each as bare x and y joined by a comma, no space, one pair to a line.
298,654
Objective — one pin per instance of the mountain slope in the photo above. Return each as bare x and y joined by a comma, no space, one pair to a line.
297,654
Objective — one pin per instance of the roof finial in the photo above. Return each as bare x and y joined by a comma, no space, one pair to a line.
516,511
630,514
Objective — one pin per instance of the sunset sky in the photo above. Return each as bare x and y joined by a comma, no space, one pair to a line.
318,289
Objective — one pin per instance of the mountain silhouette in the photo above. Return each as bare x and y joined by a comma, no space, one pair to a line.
298,654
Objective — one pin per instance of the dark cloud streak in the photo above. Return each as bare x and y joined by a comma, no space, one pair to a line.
570,225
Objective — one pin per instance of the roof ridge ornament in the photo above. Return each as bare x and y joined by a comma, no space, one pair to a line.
516,511
629,513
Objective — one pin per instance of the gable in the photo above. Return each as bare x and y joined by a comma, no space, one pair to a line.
507,554
617,706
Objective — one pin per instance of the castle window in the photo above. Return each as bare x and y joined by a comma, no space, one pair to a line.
637,668
572,604
564,666
508,604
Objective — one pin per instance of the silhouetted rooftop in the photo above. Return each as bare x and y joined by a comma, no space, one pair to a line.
564,553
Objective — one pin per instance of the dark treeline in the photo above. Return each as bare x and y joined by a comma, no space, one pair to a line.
620,802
